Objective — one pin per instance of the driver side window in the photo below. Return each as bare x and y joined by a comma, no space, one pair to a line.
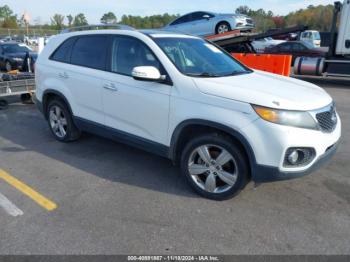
128,53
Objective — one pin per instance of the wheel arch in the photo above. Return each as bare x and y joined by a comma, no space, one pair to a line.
184,132
50,94
220,22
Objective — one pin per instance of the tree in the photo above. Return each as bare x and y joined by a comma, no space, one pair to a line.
10,22
7,18
279,21
243,10
70,19
57,21
5,12
315,17
109,18
80,20
154,21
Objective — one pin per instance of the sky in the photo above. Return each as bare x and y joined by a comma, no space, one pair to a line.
42,10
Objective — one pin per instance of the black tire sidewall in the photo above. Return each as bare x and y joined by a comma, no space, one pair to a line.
67,115
233,149
222,23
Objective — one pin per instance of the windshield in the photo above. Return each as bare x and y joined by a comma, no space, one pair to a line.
196,57
317,36
16,48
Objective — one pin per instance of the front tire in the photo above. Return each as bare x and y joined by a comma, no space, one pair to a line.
8,66
215,167
61,122
222,27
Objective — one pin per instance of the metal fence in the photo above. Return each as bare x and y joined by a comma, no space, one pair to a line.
24,32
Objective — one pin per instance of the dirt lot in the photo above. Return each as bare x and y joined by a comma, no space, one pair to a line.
114,199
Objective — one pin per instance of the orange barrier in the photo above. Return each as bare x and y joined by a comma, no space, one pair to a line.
277,64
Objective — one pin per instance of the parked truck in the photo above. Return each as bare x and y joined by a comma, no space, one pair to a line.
337,60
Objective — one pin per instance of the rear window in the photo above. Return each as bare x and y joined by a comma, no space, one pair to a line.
62,53
90,51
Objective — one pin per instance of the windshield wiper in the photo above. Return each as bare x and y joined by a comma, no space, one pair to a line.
204,74
234,73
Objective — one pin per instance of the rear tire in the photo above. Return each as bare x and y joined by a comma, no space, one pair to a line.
61,122
3,104
215,167
222,28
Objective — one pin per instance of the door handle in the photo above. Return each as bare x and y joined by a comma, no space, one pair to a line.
63,75
110,86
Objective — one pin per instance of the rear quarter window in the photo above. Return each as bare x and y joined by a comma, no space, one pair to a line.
62,53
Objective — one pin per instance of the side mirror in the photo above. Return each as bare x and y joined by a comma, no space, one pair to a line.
147,73
206,17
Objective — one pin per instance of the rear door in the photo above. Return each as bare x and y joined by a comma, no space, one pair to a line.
201,25
139,108
183,24
84,76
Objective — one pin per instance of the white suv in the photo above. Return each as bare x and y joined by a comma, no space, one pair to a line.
184,98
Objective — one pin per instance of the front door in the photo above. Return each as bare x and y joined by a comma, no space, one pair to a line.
140,108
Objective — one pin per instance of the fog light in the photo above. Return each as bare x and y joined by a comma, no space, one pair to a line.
293,157
298,157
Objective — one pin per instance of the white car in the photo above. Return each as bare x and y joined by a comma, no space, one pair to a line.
311,36
208,23
183,98
261,44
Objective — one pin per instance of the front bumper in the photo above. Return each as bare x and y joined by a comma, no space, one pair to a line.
264,174
270,142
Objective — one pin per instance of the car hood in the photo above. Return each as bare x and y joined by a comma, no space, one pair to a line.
265,89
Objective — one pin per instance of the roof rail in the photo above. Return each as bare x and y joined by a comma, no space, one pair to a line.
97,27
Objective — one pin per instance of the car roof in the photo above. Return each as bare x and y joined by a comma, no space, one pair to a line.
9,43
200,11
154,33
165,33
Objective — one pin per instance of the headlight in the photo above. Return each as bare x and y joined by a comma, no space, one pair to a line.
286,117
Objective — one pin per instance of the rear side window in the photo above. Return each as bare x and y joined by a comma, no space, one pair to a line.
183,19
62,53
90,51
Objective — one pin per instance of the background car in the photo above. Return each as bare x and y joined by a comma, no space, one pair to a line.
312,37
32,40
285,37
261,44
13,54
296,49
207,23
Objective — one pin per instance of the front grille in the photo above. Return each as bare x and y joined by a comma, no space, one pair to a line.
327,120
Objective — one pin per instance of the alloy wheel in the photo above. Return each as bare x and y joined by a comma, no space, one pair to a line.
223,28
58,121
213,168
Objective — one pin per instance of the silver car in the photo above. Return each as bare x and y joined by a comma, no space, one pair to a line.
208,23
